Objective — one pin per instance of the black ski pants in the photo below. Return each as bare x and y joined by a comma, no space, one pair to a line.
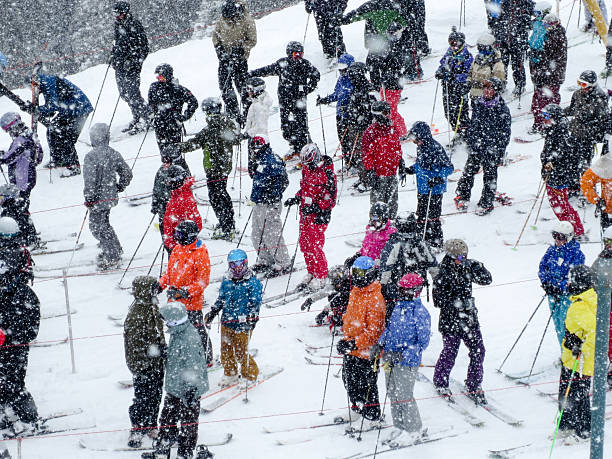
168,131
232,72
62,136
455,100
489,165
418,12
514,53
13,392
128,83
148,391
221,202
197,320
294,123
577,412
433,231
173,413
330,34
360,383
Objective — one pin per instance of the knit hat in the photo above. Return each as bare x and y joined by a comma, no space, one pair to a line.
455,247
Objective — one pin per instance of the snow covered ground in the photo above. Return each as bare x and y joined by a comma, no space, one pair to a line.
293,398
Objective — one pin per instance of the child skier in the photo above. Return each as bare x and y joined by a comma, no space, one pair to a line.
340,280
12,205
258,113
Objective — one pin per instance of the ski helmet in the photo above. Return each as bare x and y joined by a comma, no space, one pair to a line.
606,237
394,31
363,272
345,61
295,47
406,223
121,7
8,192
485,44
238,263
256,85
456,248
211,106
259,141
165,71
9,228
175,176
587,79
410,286
310,154
552,111
186,232
541,9
142,287
456,39
170,153
381,108
10,120
337,275
550,19
581,278
357,69
379,214
420,130
230,10
563,231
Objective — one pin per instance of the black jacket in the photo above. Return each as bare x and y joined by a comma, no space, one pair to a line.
296,78
358,114
513,22
15,265
559,150
167,100
327,8
19,314
491,127
131,45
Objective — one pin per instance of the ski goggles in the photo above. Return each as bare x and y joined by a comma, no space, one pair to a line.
161,78
584,84
559,236
461,257
297,54
546,115
607,241
233,265
359,272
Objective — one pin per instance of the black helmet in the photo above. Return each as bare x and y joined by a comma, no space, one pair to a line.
165,70
379,214
496,84
186,232
380,107
211,106
294,47
230,9
170,153
406,223
256,85
175,176
581,279
456,37
589,77
121,7
554,111
337,276
357,68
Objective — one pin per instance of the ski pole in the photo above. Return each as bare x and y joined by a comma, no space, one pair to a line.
161,265
535,201
239,179
322,129
297,244
426,216
135,251
155,259
77,239
521,333
458,120
562,407
277,246
306,29
433,108
99,94
3,174
246,380
539,347
245,227
331,348
110,123
139,148
448,111
534,226
383,409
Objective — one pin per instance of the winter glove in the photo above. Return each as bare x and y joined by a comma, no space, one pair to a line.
210,316
320,318
156,289
323,217
345,346
252,319
441,74
2,337
376,350
120,188
322,100
175,293
311,209
573,343
308,7
552,290
435,181
410,170
600,207
89,204
292,201
548,167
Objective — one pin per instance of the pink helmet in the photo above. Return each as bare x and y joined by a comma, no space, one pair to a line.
410,280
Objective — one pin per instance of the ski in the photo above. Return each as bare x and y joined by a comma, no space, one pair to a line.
335,422
354,243
48,343
40,252
52,315
313,362
508,452
85,444
530,139
61,414
51,431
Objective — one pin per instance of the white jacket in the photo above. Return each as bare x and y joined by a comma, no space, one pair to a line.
258,115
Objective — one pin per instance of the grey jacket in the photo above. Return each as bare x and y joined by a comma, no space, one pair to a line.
101,167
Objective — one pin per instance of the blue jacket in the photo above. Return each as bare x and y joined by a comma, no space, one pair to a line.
269,177
239,300
490,128
432,160
344,88
63,97
557,262
457,65
408,331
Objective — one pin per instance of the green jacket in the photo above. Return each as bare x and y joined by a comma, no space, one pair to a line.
216,141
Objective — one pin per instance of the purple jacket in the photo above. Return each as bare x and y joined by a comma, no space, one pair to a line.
374,241
22,158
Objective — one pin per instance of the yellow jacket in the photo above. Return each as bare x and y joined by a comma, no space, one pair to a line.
580,320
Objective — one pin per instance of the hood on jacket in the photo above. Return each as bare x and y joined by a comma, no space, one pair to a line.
142,288
421,132
99,135
174,314
346,59
589,297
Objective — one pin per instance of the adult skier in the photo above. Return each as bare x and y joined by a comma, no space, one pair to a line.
487,64
130,49
554,270
105,174
452,293
600,173
240,299
328,16
316,197
297,78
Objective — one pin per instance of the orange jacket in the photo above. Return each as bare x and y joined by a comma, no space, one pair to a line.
364,319
189,268
599,172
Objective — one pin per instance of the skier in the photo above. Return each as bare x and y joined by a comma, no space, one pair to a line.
363,323
24,154
216,141
130,49
270,180
187,277
554,271
145,346
487,64
186,381
240,299
432,168
328,16
600,173
316,197
382,155
101,167
578,344
453,71
452,293
560,166
297,78
405,338
166,100
19,322
260,105
12,205
488,137
234,35
547,64
337,301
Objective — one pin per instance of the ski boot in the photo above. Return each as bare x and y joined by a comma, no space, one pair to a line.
476,395
220,233
461,204
130,127
483,210
303,285
135,439
202,452
317,284
260,268
444,391
71,171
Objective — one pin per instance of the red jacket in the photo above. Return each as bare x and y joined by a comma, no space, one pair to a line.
181,206
381,149
318,187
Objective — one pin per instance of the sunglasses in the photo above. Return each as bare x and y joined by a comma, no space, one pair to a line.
559,236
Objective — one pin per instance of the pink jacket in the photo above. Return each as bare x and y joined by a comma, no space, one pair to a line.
374,241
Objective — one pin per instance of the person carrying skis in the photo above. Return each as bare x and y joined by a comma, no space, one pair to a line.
328,16
560,165
452,294
270,180
402,342
166,100
337,301
554,270
130,49
488,137
239,298
316,198
453,72
600,173
233,37
487,64
297,78
363,323
432,168
217,140
145,346
382,155
186,381
105,174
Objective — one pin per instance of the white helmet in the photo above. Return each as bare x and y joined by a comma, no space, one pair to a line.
565,228
8,228
486,39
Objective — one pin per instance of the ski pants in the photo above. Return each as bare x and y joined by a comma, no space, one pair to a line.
168,132
375,63
542,96
294,123
456,106
267,235
360,382
385,190
101,229
173,413
577,412
20,212
346,141
584,148
430,221
221,202
400,386
472,338
558,310
13,393
62,136
148,391
235,352
352,140
330,34
312,240
514,54
393,96
128,84
489,165
232,71
558,199
418,12
197,320
588,17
